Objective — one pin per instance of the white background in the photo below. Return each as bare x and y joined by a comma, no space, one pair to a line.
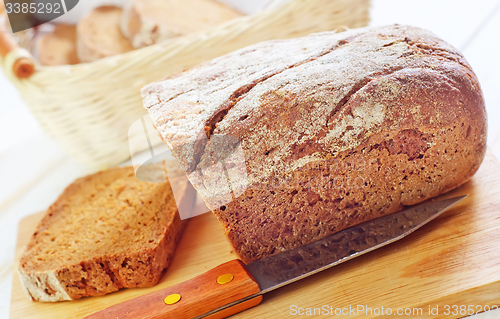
34,170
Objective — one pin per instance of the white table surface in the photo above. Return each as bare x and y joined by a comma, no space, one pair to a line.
34,170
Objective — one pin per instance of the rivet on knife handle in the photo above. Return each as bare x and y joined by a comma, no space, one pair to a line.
194,297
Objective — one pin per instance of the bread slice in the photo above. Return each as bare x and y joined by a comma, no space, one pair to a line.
290,141
147,22
59,46
105,232
99,35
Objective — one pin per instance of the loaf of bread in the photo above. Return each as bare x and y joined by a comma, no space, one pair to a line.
59,46
99,35
105,232
334,129
147,22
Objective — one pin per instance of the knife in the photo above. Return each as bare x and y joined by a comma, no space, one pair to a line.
233,286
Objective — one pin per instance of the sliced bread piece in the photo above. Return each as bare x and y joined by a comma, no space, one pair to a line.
147,22
59,46
99,35
105,232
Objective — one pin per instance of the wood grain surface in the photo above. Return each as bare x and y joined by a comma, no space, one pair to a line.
448,265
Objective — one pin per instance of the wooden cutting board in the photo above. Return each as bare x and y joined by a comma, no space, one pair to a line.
451,263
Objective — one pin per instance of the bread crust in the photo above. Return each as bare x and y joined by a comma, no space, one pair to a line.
336,129
99,34
58,47
105,232
147,22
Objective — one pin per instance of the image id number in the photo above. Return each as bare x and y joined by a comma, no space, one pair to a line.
463,310
33,7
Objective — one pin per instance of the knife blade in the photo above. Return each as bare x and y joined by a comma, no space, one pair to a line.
233,286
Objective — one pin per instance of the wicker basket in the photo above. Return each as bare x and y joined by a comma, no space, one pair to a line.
88,108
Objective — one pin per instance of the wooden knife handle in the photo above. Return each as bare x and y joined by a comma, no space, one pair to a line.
198,296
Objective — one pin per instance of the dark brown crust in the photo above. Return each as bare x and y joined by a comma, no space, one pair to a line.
377,178
328,146
218,116
423,157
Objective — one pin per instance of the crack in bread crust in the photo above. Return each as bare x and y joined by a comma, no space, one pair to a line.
241,92
218,115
